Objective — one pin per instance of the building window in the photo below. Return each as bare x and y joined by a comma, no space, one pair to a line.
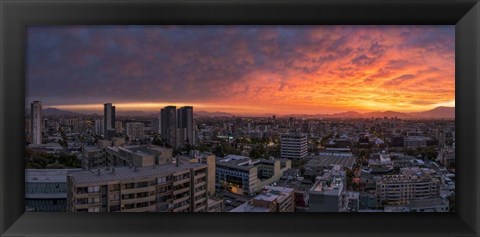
162,180
114,187
94,189
142,184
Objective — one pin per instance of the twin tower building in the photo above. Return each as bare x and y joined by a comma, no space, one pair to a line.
176,126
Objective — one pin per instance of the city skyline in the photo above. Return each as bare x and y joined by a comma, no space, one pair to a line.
243,69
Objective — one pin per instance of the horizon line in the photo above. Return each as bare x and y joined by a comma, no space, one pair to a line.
99,112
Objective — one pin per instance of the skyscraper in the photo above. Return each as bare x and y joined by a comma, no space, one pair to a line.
168,124
108,120
186,125
177,127
36,122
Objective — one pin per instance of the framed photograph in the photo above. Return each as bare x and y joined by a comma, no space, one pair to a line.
342,118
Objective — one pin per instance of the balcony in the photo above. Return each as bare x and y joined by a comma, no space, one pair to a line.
201,208
201,175
81,206
169,192
86,195
182,208
200,201
186,189
182,181
178,200
203,183
139,190
141,209
138,200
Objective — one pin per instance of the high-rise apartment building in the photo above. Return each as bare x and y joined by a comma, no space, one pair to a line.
108,120
36,122
177,127
293,146
135,130
186,126
158,188
99,127
168,124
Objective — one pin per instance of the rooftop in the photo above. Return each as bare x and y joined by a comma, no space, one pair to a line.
332,190
331,160
47,175
404,178
128,173
417,138
247,207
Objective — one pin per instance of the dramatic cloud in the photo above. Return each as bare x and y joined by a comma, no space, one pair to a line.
243,69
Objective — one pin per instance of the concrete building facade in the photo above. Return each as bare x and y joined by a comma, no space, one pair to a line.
400,189
158,188
108,120
293,146
37,124
135,130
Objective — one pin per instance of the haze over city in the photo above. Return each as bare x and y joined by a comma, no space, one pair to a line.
245,70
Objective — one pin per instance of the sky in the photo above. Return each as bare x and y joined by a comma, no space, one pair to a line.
242,69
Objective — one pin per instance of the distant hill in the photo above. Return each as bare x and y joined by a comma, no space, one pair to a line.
436,113
348,114
439,112
132,113
389,114
57,112
212,114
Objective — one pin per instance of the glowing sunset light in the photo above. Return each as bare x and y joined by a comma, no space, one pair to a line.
243,69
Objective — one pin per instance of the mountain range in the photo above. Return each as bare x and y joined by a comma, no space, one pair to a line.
441,112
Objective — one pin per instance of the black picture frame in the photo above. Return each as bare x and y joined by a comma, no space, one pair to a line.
16,14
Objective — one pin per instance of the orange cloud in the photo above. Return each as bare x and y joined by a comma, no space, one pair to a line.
284,70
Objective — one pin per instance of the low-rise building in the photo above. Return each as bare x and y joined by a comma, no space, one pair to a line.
400,189
417,141
272,199
144,155
353,201
244,176
215,204
300,188
328,193
429,205
92,157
